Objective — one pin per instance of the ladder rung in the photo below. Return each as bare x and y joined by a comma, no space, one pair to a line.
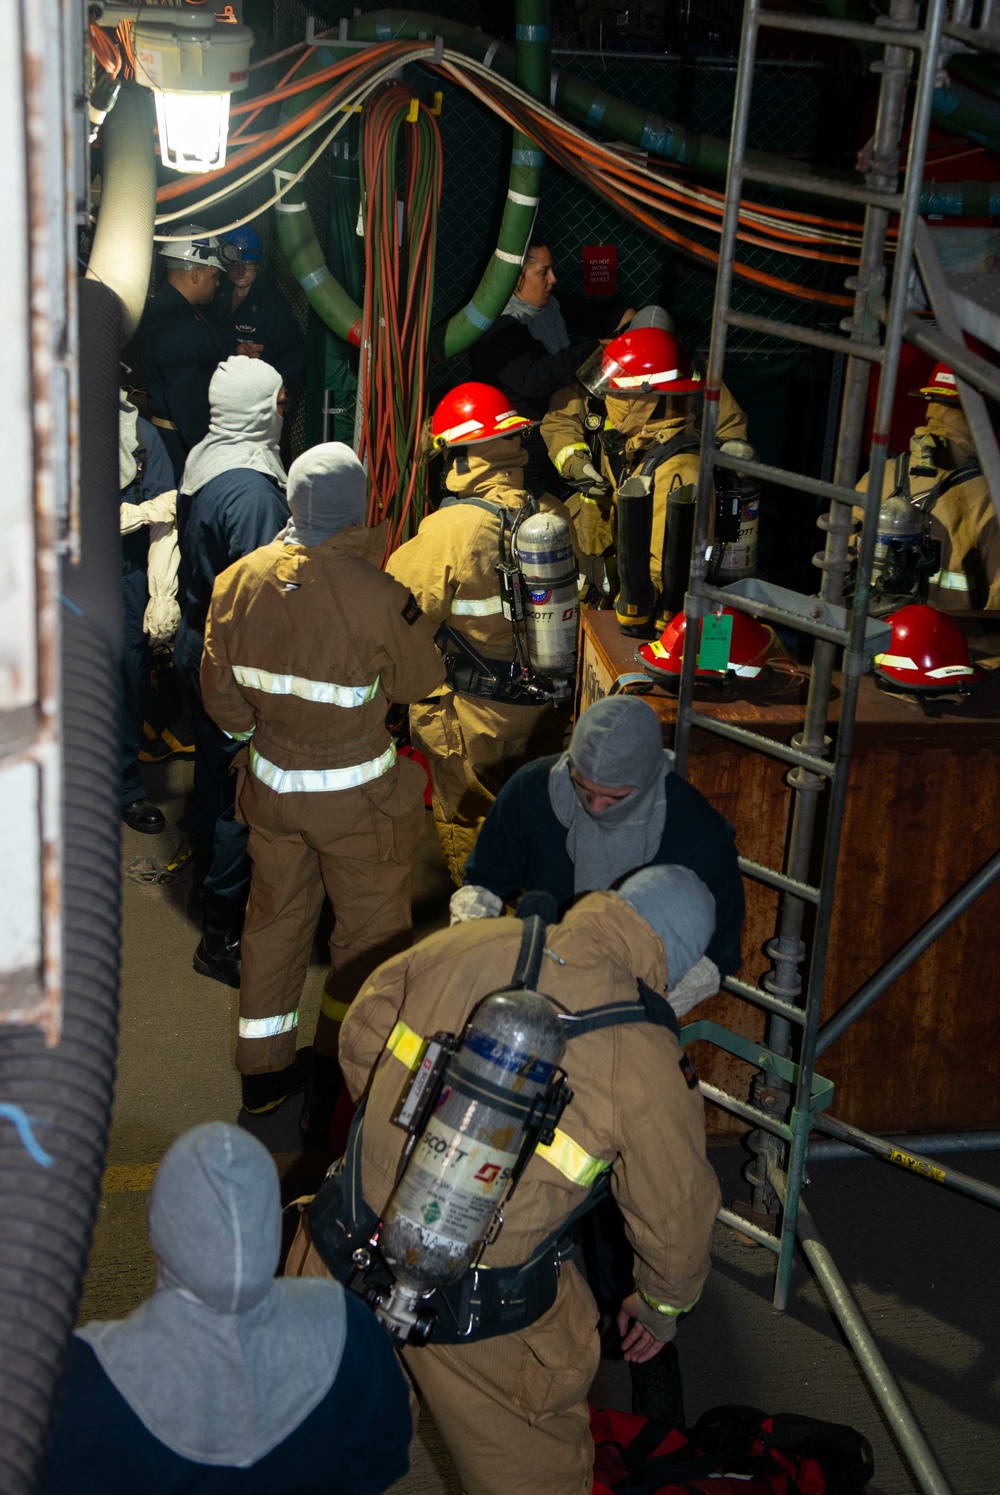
792,332
765,745
763,999
819,186
786,479
777,615
855,31
743,1108
780,880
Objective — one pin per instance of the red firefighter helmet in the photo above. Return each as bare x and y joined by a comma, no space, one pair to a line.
475,412
748,649
649,360
942,386
928,653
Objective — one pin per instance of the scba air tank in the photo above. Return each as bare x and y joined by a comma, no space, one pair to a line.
543,550
737,515
462,1164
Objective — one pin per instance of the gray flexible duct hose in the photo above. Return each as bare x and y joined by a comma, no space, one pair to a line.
123,241
47,1214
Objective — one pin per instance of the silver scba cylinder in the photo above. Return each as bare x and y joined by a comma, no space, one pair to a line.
441,1209
543,549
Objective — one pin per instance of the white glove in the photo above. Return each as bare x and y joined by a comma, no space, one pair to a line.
162,614
472,902
702,980
159,510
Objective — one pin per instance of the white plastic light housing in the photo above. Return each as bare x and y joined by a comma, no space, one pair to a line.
192,64
193,129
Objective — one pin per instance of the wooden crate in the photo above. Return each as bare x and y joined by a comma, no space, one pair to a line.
922,814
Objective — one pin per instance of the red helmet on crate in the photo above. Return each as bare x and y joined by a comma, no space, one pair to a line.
748,650
928,653
475,412
649,360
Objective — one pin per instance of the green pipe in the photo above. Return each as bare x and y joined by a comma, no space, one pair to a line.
955,108
298,237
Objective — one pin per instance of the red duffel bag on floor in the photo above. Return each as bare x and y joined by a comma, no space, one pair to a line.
729,1451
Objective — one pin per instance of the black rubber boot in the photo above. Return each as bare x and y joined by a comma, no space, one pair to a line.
324,1080
266,1092
218,955
657,1389
143,815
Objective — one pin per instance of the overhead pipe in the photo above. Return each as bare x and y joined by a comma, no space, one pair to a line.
122,251
954,108
301,247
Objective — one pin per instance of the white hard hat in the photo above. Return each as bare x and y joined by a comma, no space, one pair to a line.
199,247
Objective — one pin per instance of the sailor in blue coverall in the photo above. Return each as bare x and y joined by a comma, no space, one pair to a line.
179,348
145,476
231,500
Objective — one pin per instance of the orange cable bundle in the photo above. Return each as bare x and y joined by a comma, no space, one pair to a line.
400,248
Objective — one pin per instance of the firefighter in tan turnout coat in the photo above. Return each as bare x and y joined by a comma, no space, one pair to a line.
473,739
307,642
513,1407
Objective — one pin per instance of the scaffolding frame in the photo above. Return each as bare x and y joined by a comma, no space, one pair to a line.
788,1098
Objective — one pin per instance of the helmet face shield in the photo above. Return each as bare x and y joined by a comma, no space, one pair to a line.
648,361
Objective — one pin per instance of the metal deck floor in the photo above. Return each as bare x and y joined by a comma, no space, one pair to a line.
921,1260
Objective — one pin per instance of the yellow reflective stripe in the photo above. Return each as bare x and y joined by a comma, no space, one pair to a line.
239,736
268,1027
323,691
333,1009
476,607
571,1160
667,1309
319,780
565,452
406,1045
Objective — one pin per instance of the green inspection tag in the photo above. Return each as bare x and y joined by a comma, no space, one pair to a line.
716,636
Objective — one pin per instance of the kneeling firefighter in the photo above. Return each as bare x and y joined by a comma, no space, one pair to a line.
455,1210
494,571
634,417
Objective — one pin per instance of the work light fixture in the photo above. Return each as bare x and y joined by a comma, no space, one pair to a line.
192,62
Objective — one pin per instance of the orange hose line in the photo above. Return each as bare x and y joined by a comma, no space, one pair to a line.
264,143
290,72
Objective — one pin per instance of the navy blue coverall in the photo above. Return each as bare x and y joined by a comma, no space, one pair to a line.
179,351
263,316
234,513
154,476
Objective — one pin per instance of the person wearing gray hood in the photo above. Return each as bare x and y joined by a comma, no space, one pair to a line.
307,643
607,806
225,1379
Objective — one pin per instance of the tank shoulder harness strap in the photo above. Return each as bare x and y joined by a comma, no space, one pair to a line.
685,441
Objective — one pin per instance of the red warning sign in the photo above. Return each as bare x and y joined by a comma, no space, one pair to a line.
600,269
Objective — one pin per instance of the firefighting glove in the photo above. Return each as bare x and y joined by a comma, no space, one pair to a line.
581,472
701,981
472,902
159,510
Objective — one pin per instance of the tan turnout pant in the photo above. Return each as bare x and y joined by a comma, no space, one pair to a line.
512,1410
473,747
356,845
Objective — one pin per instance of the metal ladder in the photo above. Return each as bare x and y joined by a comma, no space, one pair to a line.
829,624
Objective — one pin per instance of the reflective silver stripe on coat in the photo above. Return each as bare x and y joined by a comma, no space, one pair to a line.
951,581
323,691
476,607
268,1027
319,780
